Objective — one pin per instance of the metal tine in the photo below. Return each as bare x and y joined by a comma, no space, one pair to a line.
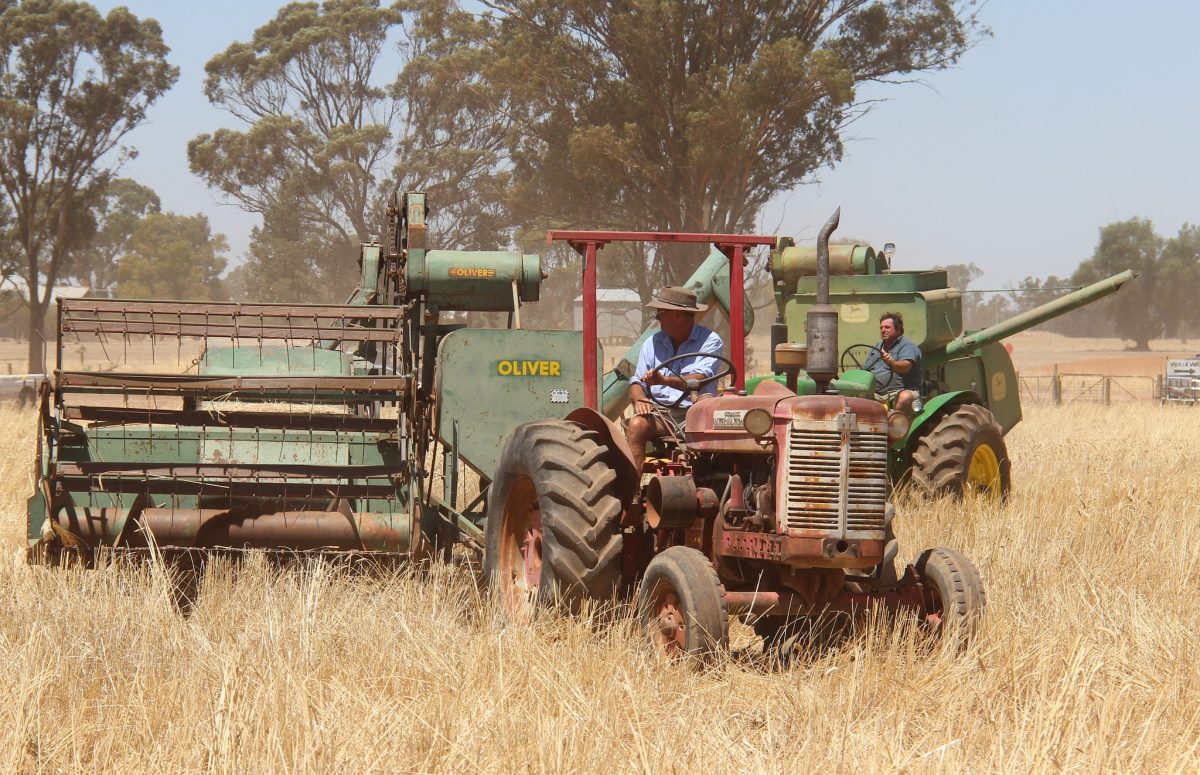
287,347
100,338
235,336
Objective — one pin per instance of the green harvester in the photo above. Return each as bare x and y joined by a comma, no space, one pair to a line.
971,394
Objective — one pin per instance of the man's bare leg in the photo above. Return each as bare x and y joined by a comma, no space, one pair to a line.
640,430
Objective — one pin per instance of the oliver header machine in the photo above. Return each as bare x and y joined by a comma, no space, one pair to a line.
307,427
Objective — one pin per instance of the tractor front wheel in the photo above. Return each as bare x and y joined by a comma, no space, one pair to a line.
681,605
953,596
553,521
965,452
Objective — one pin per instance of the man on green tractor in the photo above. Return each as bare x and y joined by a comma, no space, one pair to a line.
660,397
896,363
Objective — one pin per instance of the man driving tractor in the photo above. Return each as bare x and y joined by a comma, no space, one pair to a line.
896,363
679,333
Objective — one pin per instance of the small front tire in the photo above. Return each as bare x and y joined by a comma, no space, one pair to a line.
681,605
953,596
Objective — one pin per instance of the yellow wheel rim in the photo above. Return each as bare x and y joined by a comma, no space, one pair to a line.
984,471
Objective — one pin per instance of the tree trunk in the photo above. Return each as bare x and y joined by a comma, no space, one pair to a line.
37,338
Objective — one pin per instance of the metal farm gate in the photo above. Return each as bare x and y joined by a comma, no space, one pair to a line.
1058,389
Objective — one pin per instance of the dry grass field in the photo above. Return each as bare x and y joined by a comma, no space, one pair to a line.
1087,662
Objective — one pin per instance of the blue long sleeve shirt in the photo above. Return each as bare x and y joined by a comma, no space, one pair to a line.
659,348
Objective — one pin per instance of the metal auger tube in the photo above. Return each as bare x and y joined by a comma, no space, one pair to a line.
1030,318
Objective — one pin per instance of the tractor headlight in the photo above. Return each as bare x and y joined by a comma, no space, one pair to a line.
898,425
758,422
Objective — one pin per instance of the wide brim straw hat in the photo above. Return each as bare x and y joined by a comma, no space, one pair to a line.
677,298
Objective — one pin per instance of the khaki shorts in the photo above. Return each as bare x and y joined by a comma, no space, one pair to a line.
661,414
889,399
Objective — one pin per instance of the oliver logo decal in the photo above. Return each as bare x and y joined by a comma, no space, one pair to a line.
470,271
522,368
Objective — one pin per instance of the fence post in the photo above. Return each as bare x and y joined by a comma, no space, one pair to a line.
1056,388
1106,390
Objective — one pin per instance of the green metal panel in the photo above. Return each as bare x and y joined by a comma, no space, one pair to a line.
855,383
932,409
988,373
492,380
271,360
1003,390
473,279
36,511
932,317
794,262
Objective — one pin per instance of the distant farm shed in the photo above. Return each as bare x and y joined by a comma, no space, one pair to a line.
618,315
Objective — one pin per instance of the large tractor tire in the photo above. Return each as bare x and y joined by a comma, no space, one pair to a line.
681,605
964,452
553,523
953,594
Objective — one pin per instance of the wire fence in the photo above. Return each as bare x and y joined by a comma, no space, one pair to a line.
1059,389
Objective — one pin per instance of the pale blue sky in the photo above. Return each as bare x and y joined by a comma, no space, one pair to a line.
1073,115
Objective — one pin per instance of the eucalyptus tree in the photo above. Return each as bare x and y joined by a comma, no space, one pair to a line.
1136,312
73,83
692,115
117,213
327,131
171,256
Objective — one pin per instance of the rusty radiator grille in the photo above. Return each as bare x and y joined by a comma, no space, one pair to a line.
814,480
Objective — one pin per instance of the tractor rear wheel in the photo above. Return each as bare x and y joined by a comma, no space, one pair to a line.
553,522
965,452
953,597
681,605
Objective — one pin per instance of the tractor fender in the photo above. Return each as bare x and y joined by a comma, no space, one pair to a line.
934,409
611,436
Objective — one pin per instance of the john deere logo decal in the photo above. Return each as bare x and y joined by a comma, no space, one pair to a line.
515,368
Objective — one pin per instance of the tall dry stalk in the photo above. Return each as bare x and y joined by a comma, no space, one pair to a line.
1087,660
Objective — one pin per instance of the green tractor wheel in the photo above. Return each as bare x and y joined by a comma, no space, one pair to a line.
553,524
964,452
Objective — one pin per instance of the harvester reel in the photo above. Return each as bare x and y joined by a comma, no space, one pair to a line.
729,371
856,356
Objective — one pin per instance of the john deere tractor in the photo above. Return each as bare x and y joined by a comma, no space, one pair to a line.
971,395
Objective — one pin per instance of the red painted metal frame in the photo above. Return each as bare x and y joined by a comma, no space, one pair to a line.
588,244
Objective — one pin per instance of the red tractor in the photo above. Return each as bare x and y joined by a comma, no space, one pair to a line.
771,506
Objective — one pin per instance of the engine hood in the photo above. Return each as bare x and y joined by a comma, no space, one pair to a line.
715,425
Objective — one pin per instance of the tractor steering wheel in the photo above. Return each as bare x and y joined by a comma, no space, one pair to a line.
856,356
729,371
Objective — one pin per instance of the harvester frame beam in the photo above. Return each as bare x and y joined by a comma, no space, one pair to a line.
349,323
589,243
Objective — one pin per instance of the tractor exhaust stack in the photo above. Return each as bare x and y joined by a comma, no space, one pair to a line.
822,321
